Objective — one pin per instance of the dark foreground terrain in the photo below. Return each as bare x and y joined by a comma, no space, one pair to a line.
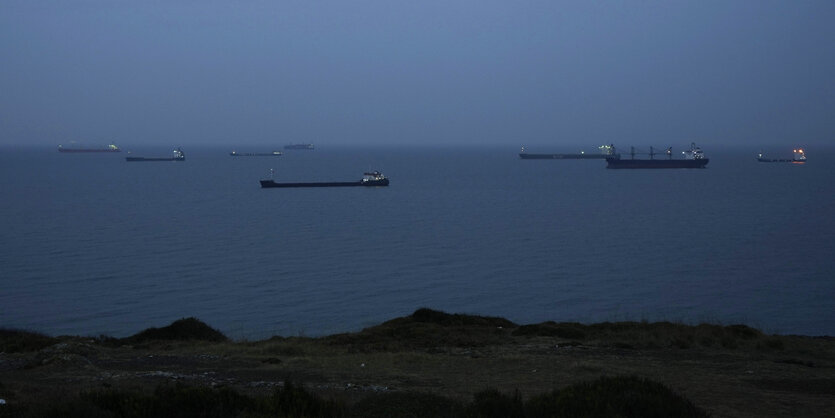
427,364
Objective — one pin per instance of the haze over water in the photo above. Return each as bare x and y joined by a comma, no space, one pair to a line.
397,73
95,245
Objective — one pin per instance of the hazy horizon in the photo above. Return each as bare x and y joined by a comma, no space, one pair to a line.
544,74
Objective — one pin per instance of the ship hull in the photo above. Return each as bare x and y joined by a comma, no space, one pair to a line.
255,154
779,160
370,183
153,159
87,150
299,146
616,163
526,156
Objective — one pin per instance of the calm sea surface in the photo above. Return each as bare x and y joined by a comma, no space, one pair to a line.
93,245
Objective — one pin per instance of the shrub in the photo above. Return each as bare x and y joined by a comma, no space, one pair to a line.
445,319
613,396
294,401
181,330
190,401
424,329
608,396
772,343
492,403
17,341
567,330
743,331
406,404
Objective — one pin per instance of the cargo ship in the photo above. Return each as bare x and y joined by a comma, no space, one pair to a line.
74,148
255,154
178,156
372,179
299,146
693,158
605,151
799,157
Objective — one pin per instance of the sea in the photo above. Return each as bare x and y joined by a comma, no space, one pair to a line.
93,245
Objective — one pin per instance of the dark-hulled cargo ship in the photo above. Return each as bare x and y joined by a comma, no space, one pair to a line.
799,157
605,151
76,148
255,154
693,158
371,179
299,146
178,156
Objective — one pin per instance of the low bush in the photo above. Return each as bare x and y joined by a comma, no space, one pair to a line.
427,328
607,396
566,330
190,401
613,397
491,403
18,341
186,329
406,404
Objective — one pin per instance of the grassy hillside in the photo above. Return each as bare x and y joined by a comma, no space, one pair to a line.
429,363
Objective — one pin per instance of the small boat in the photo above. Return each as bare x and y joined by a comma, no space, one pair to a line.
370,179
799,157
299,146
255,154
75,148
178,156
693,158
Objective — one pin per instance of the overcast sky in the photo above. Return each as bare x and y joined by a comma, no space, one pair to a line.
418,72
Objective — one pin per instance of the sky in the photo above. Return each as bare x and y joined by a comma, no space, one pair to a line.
389,72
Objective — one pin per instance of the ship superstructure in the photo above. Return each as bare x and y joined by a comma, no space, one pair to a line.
693,158
605,151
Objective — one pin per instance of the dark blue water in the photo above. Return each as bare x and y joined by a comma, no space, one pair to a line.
94,245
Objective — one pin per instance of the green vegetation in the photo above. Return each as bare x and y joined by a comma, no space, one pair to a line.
429,363
653,335
406,404
427,328
186,329
492,403
616,396
185,401
17,341
613,397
